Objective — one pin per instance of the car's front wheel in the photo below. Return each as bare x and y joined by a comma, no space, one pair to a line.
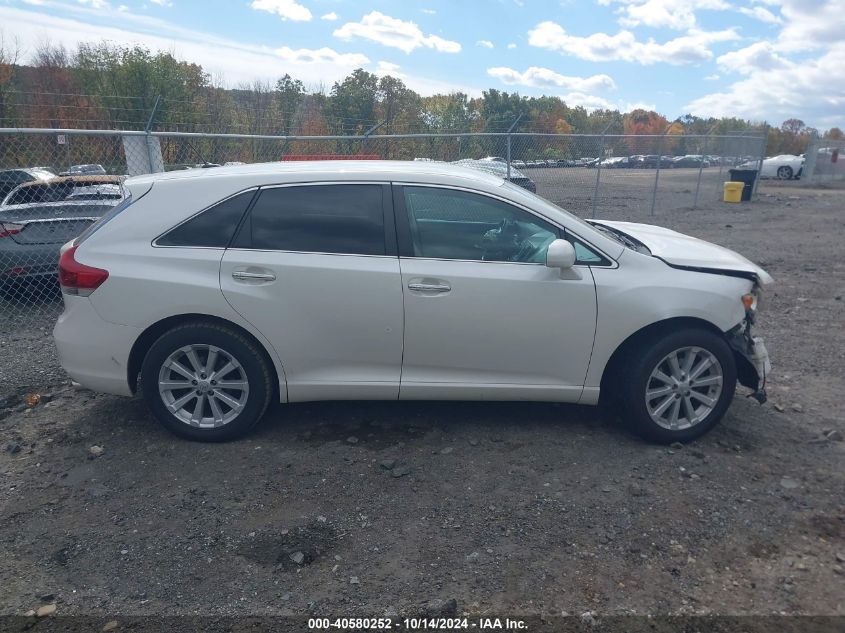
677,387
785,172
206,382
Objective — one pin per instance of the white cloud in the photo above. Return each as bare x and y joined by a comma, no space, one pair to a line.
286,9
592,102
237,62
779,88
162,3
484,43
429,11
389,68
97,4
511,46
536,77
624,46
331,17
395,33
321,56
762,14
780,77
713,77
751,59
671,14
811,24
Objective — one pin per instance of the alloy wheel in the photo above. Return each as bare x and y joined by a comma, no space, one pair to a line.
684,388
204,386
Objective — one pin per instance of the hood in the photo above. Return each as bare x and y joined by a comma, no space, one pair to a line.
685,251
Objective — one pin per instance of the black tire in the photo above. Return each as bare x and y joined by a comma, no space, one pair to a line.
785,172
252,360
646,358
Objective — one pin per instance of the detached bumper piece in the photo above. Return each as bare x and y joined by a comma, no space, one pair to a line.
753,364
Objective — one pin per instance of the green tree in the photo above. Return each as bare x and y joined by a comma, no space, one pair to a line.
290,93
352,102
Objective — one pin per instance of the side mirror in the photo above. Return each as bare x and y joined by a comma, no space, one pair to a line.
560,254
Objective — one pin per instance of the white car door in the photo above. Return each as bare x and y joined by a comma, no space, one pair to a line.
484,316
314,268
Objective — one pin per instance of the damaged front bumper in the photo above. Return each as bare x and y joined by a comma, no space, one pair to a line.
753,364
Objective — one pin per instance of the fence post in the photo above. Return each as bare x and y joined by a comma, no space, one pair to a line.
763,144
598,168
811,155
508,158
598,175
510,129
698,184
657,173
151,153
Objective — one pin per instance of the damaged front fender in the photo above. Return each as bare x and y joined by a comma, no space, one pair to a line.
752,359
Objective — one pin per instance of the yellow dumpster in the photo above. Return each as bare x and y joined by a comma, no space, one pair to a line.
733,191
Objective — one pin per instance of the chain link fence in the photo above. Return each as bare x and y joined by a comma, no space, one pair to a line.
55,183
825,162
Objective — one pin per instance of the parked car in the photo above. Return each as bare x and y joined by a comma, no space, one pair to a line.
11,178
84,170
386,280
32,234
650,161
785,166
690,160
615,162
500,170
57,188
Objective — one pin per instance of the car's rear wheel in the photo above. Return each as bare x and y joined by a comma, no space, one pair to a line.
677,387
206,382
785,172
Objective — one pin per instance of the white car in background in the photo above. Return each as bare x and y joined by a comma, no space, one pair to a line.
217,291
785,166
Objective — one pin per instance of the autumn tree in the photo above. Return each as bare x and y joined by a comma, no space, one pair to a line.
9,54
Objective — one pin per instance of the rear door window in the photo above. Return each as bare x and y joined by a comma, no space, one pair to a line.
343,218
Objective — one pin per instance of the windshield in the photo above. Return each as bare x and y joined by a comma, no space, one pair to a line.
533,199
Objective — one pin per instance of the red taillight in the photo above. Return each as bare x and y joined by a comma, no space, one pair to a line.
76,278
9,229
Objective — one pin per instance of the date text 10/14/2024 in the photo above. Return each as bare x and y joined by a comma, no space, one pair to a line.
416,624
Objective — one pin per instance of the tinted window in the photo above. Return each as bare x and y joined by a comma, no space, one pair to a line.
451,224
318,219
213,227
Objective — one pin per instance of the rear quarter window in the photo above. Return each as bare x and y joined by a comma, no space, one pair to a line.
212,228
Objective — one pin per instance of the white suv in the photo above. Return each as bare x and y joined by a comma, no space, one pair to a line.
225,288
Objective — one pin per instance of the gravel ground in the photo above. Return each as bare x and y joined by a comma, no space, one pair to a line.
373,508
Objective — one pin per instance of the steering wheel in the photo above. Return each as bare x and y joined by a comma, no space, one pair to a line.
533,246
501,243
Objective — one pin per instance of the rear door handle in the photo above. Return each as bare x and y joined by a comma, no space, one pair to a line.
420,287
244,275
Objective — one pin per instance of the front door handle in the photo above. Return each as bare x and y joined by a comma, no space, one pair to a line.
245,275
421,287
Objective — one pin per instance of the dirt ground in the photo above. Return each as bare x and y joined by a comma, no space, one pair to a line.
382,508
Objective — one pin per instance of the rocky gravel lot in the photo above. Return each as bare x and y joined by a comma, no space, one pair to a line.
385,508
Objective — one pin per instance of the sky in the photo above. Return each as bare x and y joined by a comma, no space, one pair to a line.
757,59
